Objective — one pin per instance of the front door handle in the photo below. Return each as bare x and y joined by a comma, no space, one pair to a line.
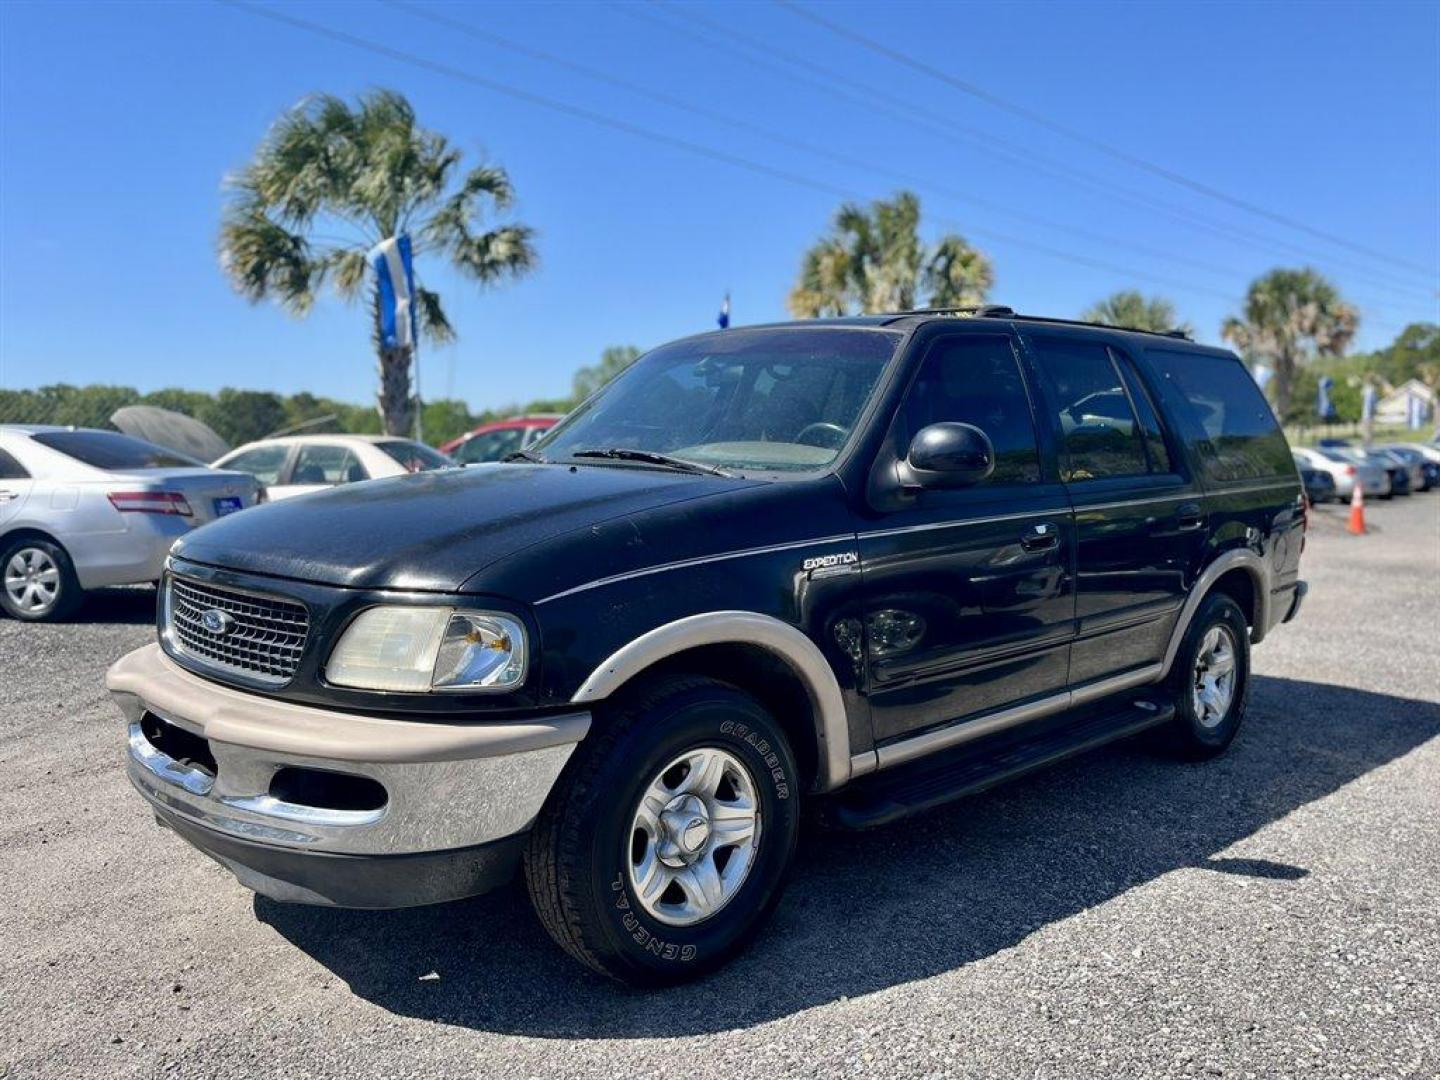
1190,516
1041,537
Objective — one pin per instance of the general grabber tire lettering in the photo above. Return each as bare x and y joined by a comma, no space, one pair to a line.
1210,680
641,864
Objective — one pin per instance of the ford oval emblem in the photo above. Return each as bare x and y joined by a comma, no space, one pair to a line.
217,622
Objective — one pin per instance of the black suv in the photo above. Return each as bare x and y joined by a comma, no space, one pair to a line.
867,565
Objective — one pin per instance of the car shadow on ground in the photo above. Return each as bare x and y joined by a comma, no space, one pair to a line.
866,911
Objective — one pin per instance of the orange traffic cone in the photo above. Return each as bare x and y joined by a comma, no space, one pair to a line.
1357,509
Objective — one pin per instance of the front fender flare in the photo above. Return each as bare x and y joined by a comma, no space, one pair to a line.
803,657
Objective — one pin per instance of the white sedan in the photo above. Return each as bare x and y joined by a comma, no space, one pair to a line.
82,508
297,464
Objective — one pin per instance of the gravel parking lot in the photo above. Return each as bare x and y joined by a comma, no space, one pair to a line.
1273,913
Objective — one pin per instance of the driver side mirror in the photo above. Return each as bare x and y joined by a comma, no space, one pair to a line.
948,455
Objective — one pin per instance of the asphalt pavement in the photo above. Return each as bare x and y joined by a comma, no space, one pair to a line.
1272,913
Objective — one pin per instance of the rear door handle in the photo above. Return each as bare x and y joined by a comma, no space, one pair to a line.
1041,537
1190,516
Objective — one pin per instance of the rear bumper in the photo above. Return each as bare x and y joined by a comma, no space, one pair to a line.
454,799
125,557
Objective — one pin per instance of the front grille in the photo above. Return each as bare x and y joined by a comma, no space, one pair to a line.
261,637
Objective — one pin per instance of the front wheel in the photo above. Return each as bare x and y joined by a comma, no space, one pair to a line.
1210,679
665,844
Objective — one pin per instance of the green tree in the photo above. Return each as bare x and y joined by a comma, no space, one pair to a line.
1134,311
328,182
874,260
1289,318
587,380
238,416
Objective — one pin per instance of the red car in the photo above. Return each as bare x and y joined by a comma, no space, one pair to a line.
493,441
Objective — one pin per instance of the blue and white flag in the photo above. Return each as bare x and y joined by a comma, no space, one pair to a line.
1367,402
1324,408
1415,410
1263,373
724,317
395,276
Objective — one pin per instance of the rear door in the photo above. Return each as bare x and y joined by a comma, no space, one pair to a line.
968,593
1139,518
15,485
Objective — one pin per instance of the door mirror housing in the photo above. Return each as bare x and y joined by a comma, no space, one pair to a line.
948,455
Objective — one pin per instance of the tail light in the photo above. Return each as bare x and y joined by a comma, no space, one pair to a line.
1349,470
150,502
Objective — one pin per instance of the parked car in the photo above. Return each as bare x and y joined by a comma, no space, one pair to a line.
877,563
1319,485
82,508
499,439
299,464
1401,477
1345,468
1424,474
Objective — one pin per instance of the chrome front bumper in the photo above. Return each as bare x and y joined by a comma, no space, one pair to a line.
447,787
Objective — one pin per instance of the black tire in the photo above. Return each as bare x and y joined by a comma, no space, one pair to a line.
69,593
576,861
1188,735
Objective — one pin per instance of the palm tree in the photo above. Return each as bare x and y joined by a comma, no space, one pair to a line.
873,260
1290,316
1130,309
328,182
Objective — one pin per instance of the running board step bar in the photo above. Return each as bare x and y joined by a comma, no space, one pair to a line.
891,795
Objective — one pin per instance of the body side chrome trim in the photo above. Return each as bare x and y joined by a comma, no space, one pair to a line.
700,560
743,628
918,746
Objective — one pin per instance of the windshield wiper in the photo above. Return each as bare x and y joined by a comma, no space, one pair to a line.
526,455
649,457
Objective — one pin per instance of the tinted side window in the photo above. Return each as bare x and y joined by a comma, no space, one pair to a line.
112,451
1149,421
1100,435
1241,440
489,446
326,465
263,463
976,380
10,469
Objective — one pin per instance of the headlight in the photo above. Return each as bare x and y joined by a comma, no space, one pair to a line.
415,649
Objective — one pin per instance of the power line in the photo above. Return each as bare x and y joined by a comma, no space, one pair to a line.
780,138
554,105
878,100
1039,119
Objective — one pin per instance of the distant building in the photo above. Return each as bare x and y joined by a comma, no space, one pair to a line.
1396,406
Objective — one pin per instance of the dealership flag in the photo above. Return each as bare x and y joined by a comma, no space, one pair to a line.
1415,407
1367,402
395,275
724,317
1323,406
1263,374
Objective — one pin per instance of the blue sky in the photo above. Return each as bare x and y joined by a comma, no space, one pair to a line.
118,123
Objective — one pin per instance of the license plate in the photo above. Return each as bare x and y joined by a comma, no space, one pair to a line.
228,505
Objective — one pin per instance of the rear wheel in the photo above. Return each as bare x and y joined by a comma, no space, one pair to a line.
37,581
665,844
1210,679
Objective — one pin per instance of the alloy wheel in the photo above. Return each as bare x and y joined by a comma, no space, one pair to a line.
32,581
1213,687
694,836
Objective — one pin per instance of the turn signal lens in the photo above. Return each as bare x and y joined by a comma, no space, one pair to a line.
480,651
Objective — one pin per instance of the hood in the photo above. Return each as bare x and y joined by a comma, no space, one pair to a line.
432,531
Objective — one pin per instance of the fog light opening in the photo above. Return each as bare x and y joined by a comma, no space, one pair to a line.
327,790
181,746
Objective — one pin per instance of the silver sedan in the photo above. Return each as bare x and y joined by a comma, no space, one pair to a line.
81,509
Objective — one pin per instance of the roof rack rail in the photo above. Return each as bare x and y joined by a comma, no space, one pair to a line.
1001,311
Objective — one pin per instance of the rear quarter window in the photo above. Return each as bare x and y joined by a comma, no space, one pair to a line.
1231,424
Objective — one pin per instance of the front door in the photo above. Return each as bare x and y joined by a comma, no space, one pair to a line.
1139,519
968,593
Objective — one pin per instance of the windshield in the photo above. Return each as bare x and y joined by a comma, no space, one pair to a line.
771,400
111,451
414,456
